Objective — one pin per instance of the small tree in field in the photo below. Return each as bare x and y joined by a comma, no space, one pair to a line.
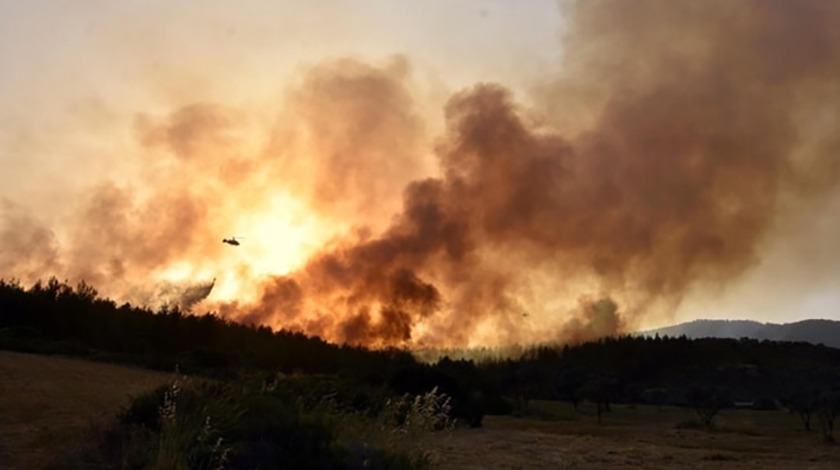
598,390
707,402
828,407
804,404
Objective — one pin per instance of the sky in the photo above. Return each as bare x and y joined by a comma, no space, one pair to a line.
429,173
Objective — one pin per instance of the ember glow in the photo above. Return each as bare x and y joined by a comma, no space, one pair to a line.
417,195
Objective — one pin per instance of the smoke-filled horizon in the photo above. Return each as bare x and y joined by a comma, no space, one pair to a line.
673,149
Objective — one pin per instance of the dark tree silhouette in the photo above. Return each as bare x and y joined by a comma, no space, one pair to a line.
57,318
828,407
600,391
708,402
656,396
804,404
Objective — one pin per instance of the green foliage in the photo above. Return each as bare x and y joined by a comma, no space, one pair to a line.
469,389
257,424
396,435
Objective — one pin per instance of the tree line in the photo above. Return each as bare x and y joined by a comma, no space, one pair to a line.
705,374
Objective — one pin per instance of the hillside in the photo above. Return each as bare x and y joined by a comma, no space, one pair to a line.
825,332
52,406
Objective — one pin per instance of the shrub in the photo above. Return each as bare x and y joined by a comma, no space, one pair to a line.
214,425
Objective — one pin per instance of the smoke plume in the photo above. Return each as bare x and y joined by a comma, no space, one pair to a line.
653,163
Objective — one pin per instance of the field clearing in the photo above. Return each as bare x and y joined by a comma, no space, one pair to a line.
554,435
52,406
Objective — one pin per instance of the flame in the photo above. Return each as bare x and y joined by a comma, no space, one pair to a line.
276,239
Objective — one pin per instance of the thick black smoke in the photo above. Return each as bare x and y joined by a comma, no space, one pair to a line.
690,125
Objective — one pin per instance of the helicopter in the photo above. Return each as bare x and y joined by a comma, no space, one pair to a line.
231,241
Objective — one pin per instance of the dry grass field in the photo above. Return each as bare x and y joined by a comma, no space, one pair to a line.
51,407
556,436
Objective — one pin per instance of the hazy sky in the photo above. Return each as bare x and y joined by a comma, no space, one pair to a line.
71,70
107,98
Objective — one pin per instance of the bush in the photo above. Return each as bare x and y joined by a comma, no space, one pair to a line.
204,425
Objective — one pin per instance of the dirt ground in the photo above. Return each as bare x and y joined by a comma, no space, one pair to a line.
51,405
636,437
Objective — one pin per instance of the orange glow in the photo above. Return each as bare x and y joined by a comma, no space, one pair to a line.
393,186
275,239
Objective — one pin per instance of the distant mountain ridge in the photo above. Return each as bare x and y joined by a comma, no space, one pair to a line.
826,332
